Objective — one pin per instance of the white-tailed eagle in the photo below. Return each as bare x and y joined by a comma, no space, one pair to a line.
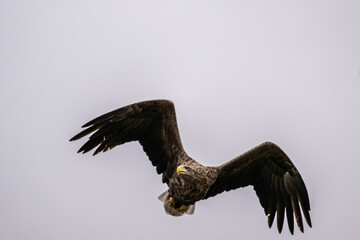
267,168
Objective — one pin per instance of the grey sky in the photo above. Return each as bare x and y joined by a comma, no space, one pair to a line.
239,73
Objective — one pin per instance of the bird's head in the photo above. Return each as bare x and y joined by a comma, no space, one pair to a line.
183,170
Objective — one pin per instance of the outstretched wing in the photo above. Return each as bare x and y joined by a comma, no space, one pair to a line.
152,123
276,181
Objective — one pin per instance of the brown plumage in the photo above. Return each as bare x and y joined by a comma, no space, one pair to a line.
277,182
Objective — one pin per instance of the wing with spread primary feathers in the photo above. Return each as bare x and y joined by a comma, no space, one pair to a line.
276,181
152,123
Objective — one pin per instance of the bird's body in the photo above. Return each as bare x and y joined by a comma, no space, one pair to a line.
188,188
276,181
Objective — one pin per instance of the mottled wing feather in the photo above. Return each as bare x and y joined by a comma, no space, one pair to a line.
276,181
152,123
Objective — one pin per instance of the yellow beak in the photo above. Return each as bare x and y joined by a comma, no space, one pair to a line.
181,170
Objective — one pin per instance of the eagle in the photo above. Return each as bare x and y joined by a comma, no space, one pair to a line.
275,179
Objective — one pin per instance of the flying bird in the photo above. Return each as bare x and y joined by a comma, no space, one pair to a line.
266,167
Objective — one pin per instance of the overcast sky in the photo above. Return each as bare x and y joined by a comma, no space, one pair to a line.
239,72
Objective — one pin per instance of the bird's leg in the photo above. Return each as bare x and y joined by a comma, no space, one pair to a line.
171,202
183,208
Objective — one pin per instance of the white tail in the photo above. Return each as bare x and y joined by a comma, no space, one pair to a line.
165,196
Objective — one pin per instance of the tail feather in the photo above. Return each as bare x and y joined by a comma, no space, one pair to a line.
191,209
163,196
